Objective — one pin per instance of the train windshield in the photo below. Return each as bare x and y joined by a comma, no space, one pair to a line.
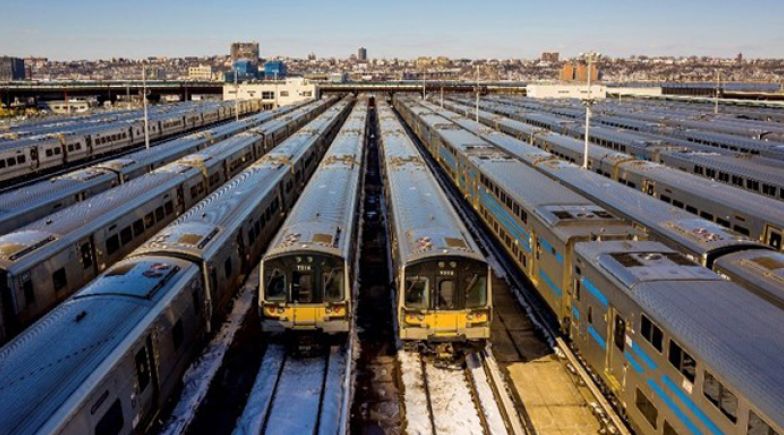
305,279
446,284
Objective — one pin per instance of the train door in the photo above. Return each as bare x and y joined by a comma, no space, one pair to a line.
773,237
146,381
35,163
649,187
86,249
616,369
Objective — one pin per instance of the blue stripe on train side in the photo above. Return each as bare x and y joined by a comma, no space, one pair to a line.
575,313
506,219
691,405
550,283
552,250
674,407
633,362
595,292
598,338
643,356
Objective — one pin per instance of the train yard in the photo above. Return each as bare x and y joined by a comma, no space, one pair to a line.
391,264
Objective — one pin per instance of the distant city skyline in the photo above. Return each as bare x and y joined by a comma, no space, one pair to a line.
92,29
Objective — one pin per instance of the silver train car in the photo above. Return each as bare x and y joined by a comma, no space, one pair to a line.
443,282
144,319
46,261
308,275
650,323
22,206
36,154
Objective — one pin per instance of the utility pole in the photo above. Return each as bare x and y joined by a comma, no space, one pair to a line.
590,58
477,93
442,96
718,90
236,96
424,85
276,89
144,104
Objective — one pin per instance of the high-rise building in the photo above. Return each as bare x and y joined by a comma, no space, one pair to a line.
12,68
362,54
739,59
550,56
245,50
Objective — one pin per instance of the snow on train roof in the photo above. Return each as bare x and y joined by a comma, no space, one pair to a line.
43,368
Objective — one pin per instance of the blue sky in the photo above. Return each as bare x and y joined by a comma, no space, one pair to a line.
90,29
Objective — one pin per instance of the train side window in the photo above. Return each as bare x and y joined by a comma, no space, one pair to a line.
138,228
721,397
2,163
619,332
149,220
112,244
49,152
20,159
87,255
417,289
169,207
682,361
126,235
668,429
774,240
769,190
178,334
59,279
159,214
112,422
758,427
691,209
646,407
665,198
677,203
723,222
590,314
651,333
706,215
142,368
742,230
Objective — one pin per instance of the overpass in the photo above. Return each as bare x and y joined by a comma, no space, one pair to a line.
107,90
420,86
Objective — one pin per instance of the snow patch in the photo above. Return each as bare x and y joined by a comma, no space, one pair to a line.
414,394
454,411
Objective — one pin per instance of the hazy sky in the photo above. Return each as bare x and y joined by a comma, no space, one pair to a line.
89,29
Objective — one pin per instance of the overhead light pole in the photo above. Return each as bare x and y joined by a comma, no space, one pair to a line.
589,58
477,93
144,105
718,91
236,96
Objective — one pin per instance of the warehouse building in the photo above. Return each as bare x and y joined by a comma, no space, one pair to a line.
273,93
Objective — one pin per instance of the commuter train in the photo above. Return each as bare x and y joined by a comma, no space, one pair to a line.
19,207
443,282
308,277
701,240
679,348
755,216
36,154
108,358
44,262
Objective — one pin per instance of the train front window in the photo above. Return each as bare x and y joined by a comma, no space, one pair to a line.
302,287
417,289
275,286
332,281
476,291
445,299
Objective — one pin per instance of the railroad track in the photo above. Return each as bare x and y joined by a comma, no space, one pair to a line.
299,394
467,396
534,308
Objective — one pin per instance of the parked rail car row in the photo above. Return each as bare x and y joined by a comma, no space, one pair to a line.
738,138
44,262
753,215
22,206
308,276
32,155
683,350
749,263
749,172
109,357
443,282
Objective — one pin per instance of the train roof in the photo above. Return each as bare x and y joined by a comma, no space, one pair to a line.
322,220
24,247
758,168
44,370
426,224
699,236
735,333
761,271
